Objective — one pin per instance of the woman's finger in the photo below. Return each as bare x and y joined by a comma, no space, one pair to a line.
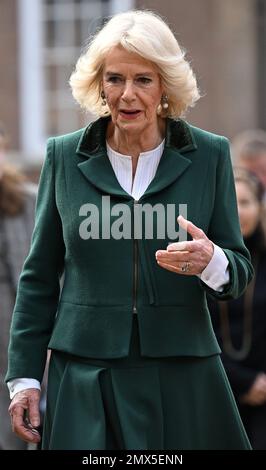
175,256
20,428
178,269
34,413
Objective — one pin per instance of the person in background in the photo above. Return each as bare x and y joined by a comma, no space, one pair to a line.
249,151
17,206
134,362
240,325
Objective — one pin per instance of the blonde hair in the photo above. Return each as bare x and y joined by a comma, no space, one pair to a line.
146,34
12,197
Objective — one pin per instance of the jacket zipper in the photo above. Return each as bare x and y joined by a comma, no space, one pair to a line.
135,264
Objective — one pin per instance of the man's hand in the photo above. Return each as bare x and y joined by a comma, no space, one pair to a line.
25,414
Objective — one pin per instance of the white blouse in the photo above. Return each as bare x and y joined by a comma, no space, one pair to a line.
145,172
216,273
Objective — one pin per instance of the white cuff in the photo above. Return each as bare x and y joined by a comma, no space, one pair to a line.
216,273
17,385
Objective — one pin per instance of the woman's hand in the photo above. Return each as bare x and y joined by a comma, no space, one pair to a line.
188,257
257,393
25,414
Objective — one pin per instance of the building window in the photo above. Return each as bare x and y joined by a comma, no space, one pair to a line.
52,34
67,25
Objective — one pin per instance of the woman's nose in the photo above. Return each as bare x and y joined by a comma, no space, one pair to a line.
128,91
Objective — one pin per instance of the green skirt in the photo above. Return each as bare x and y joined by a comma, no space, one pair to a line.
138,402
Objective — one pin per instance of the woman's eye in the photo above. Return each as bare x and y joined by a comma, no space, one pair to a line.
144,80
114,79
244,203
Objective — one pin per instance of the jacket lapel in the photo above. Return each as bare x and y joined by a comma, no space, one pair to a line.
172,165
97,167
98,170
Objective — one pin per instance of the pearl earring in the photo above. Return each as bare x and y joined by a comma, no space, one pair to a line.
103,98
164,101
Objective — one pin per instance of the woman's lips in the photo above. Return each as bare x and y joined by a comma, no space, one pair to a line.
129,114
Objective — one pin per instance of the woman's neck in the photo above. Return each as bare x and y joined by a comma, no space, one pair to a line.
130,143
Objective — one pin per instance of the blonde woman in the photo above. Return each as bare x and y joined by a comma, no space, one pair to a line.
134,363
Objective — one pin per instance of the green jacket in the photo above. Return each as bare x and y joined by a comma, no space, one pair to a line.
105,279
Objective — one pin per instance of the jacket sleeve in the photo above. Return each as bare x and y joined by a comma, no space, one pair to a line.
224,229
39,284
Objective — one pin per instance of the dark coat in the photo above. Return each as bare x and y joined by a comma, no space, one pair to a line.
243,372
103,277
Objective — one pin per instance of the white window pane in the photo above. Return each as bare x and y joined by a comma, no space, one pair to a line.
67,24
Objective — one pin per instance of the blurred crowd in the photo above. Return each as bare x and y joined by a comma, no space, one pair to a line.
240,324
17,205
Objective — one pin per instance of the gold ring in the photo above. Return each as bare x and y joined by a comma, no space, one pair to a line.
185,268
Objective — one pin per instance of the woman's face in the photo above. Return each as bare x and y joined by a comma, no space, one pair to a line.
249,208
133,90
